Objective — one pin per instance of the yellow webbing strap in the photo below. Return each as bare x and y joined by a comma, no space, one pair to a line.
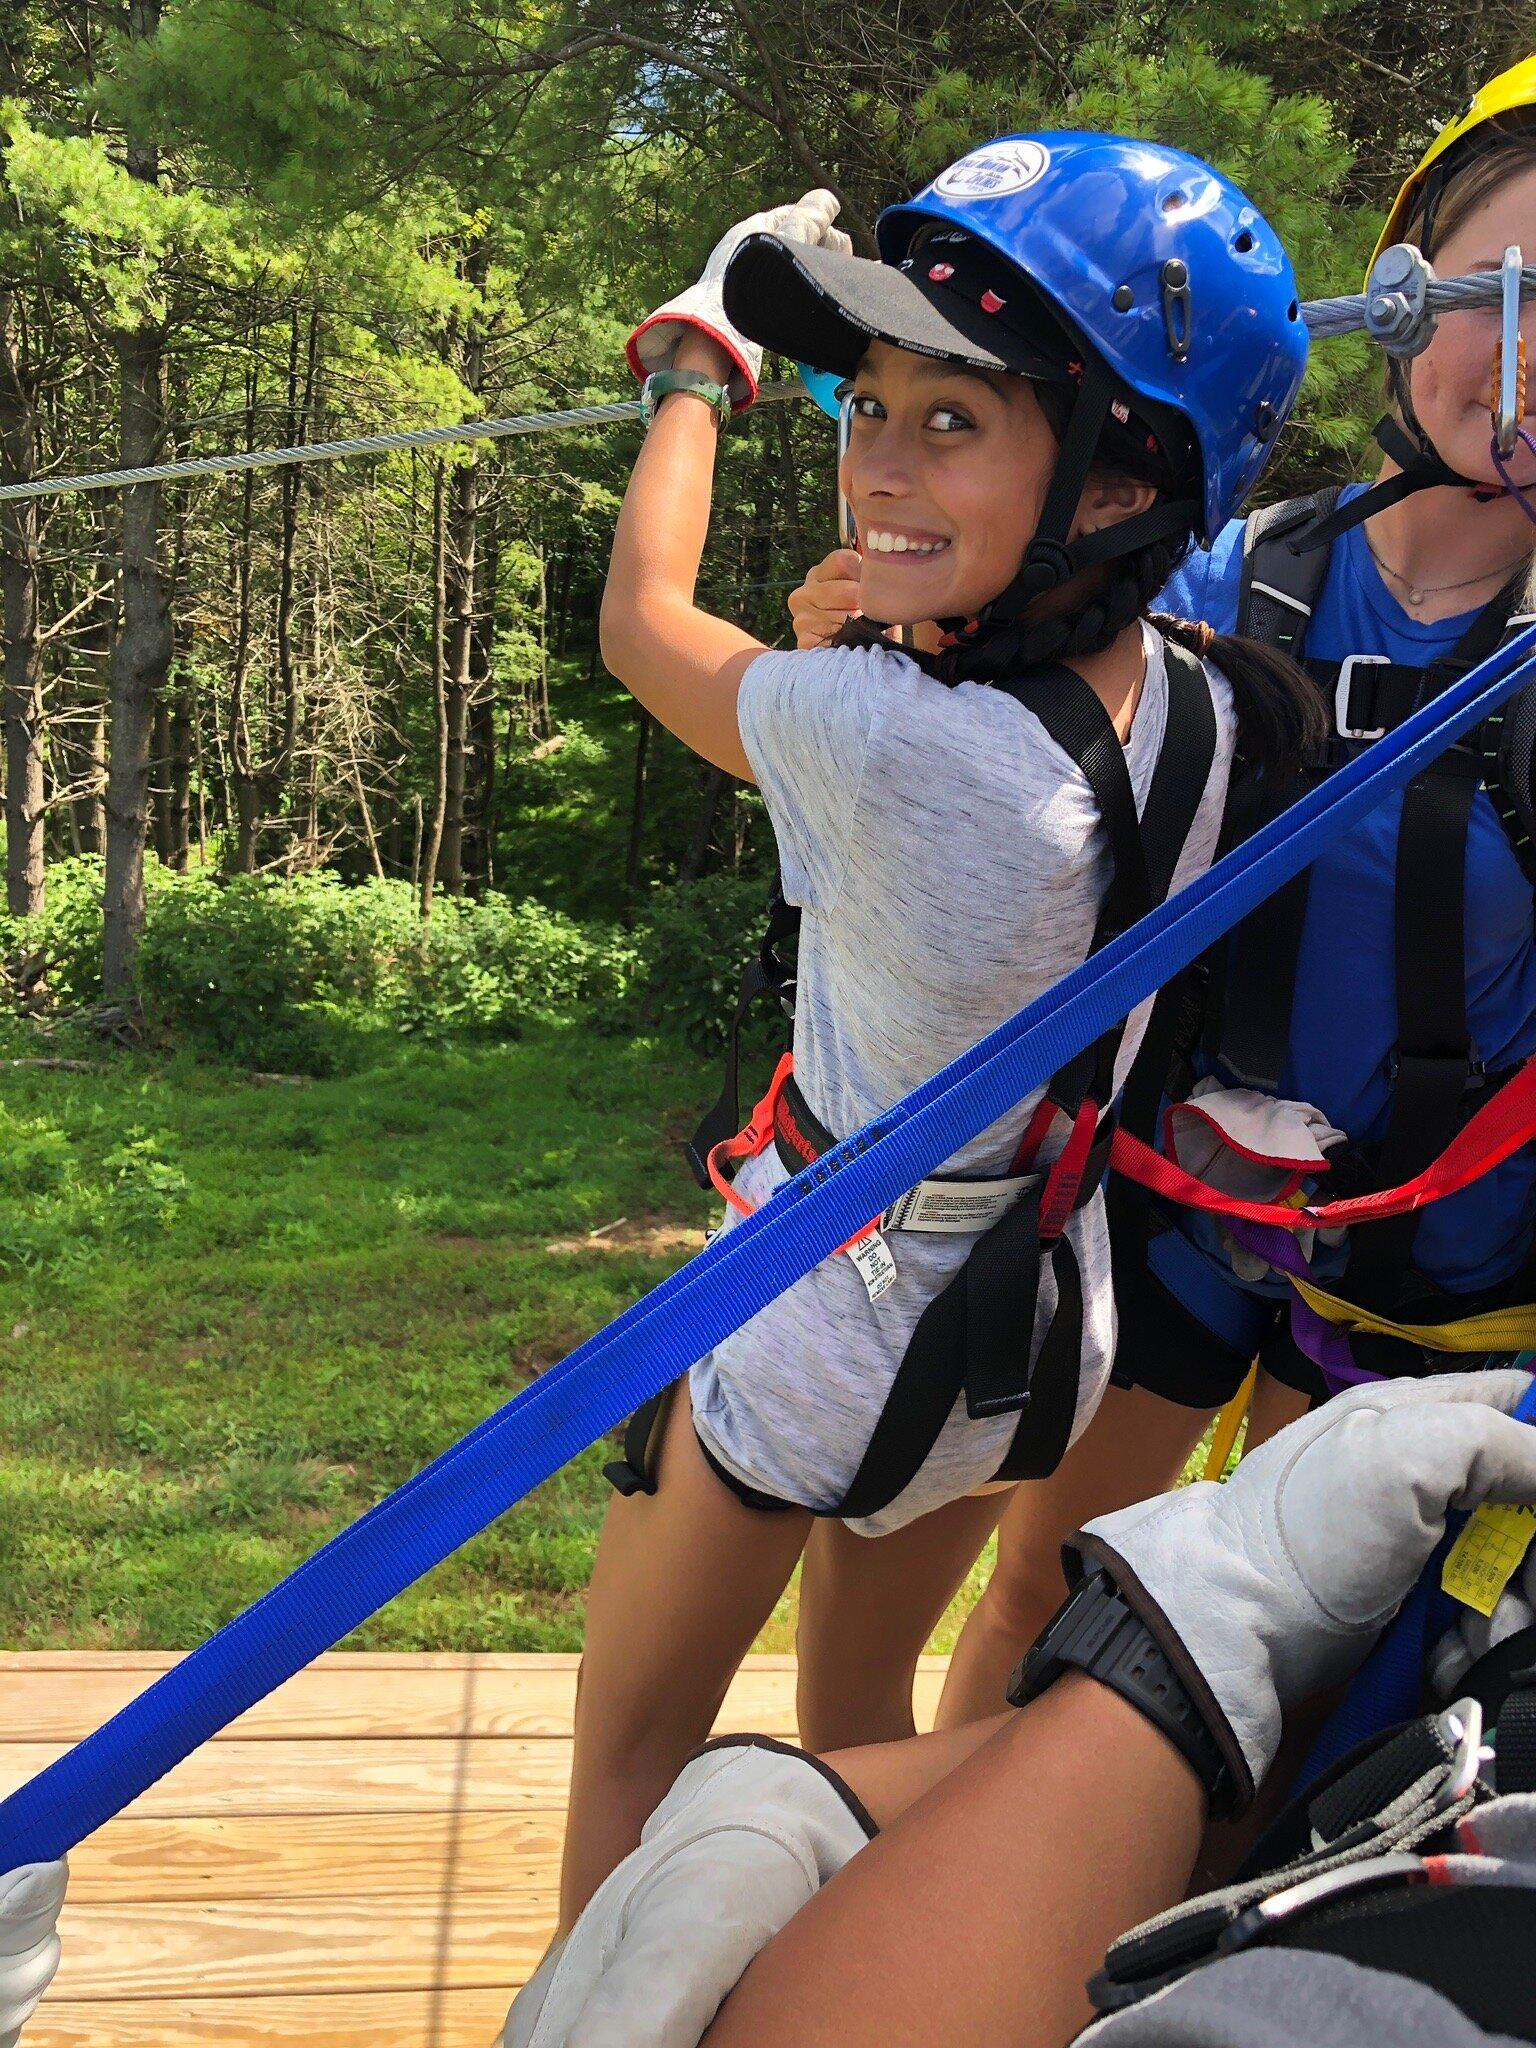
1228,1423
1497,1329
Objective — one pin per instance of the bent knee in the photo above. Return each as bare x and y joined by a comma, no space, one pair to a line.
1024,1591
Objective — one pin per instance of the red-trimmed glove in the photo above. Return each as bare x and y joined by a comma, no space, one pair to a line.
654,342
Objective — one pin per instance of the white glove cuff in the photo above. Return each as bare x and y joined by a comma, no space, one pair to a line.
1247,1755
654,344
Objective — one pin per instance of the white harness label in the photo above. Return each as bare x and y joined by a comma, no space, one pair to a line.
957,1205
873,1263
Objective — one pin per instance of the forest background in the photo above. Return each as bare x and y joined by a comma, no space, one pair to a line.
366,950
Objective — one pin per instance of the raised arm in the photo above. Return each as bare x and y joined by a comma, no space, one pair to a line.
682,663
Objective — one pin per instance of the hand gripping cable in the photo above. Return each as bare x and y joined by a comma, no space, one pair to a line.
651,1343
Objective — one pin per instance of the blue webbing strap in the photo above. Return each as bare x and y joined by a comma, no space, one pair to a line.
1389,1685
746,1267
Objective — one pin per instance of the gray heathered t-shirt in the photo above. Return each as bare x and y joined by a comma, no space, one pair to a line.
950,864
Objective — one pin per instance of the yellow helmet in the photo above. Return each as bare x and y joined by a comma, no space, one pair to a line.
1511,90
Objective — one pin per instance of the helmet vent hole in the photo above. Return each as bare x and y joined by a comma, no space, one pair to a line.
1293,311
1243,242
1172,201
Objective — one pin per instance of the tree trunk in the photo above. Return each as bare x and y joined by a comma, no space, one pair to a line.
23,672
244,801
142,654
463,538
160,783
697,856
483,708
633,853
458,682
439,694
180,805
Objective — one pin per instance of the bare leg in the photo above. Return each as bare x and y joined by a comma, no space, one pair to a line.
683,1581
867,1607
1135,1446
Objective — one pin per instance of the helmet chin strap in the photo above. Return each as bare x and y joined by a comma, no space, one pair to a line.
1420,468
1052,559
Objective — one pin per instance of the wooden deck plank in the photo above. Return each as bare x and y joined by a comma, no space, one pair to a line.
376,2019
234,1949
367,1860
380,1776
44,1698
300,1856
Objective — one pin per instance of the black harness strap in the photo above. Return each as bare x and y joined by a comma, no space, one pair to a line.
1435,1072
769,973
975,1336
1276,594
1433,1060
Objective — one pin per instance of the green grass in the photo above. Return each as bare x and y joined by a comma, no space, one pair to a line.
232,1316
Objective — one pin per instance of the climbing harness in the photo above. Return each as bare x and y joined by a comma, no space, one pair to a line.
613,1373
975,1335
1240,1018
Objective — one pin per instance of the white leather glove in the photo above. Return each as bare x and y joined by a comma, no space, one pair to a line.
654,342
750,1832
1275,1585
30,1901
1472,1635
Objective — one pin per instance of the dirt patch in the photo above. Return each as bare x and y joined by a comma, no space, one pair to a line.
651,1236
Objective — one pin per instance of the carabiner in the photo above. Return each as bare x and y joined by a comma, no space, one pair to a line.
1509,363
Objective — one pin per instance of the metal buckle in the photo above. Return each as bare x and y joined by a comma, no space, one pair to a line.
1341,691
1463,1719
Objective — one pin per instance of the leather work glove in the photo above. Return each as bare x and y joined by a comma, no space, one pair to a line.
30,1901
654,342
750,1831
1266,1589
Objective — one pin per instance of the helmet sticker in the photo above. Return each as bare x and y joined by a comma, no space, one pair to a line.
1001,167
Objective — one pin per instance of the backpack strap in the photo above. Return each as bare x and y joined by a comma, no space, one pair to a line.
1279,586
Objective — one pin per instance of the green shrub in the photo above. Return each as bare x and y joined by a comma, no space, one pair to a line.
688,953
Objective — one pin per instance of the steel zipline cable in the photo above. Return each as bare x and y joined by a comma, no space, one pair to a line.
1325,319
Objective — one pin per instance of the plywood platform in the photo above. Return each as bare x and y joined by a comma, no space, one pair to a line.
366,1860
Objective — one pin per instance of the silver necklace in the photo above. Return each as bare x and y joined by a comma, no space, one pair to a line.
1417,592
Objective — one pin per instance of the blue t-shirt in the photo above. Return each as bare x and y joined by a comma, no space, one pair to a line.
1344,1010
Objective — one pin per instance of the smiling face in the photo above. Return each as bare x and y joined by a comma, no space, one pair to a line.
1451,381
947,470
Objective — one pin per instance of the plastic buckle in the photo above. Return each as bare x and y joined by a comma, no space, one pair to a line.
1341,696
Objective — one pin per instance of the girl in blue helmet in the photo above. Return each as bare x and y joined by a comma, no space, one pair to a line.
958,833
1394,987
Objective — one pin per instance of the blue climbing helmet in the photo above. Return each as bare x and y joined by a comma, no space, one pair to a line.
1131,271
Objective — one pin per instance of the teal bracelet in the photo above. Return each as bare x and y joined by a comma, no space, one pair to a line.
662,383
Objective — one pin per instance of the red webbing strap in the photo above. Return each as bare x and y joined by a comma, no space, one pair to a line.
1066,1173
756,1136
1497,1131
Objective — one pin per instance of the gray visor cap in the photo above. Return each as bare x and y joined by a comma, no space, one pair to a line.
821,307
